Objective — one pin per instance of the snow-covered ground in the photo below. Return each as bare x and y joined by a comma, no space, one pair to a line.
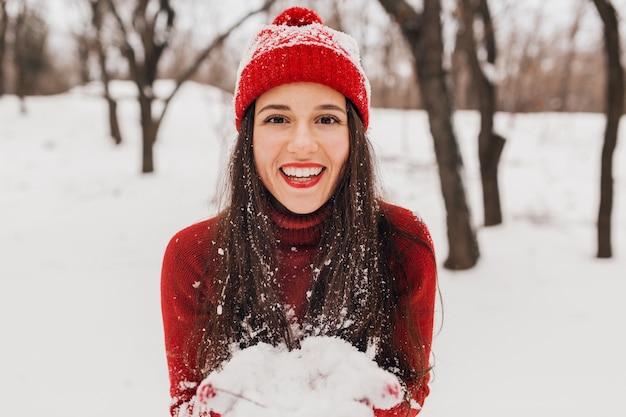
537,328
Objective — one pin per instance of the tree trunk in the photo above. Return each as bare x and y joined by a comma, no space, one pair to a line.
614,111
97,10
147,154
490,144
464,89
18,58
4,24
424,35
149,129
83,50
114,125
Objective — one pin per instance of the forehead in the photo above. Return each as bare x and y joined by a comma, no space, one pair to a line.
302,93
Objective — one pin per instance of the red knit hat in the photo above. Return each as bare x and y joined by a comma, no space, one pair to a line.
297,47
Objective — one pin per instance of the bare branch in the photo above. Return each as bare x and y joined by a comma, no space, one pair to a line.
207,51
408,19
127,49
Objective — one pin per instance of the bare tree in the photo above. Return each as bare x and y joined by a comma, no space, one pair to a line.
423,32
490,144
464,89
614,111
83,46
143,42
29,49
97,9
4,25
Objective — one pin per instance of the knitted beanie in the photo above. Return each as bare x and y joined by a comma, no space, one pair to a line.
297,47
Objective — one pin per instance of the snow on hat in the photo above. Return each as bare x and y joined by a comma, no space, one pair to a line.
297,47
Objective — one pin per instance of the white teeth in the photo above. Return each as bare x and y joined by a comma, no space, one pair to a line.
301,172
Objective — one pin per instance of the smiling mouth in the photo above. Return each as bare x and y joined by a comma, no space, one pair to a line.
301,175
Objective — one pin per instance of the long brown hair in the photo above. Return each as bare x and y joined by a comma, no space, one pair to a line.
353,292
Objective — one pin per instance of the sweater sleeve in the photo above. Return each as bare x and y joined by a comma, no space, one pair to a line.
182,275
417,296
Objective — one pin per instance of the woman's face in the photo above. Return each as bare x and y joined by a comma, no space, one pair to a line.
300,143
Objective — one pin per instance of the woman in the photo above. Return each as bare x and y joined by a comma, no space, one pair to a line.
305,245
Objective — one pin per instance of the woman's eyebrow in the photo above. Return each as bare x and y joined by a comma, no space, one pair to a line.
273,107
332,107
285,107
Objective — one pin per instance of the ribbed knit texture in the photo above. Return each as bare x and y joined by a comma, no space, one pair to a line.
187,256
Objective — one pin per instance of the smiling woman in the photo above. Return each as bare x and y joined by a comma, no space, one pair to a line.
301,143
305,247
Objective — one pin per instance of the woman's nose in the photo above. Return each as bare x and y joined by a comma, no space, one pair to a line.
303,140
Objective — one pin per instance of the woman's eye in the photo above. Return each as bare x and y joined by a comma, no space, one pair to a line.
275,119
328,120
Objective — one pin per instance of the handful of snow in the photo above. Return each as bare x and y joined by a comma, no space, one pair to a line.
326,377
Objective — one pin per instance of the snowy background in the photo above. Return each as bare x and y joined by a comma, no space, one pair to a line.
537,328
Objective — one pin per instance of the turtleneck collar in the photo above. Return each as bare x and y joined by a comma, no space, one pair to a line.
298,229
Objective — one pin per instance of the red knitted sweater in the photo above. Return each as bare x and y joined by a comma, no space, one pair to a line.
186,258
